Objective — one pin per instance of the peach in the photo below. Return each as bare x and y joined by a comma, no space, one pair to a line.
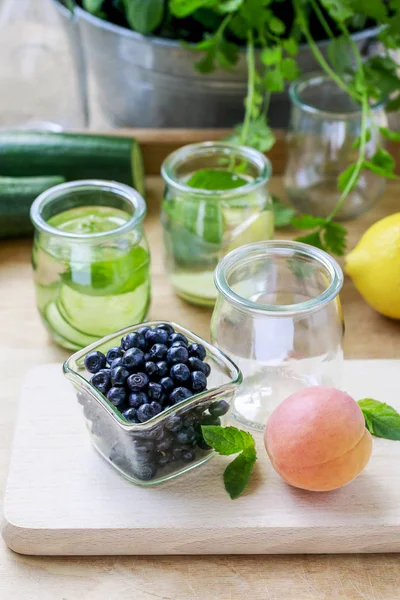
317,440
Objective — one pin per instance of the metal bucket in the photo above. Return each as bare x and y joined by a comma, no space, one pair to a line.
145,81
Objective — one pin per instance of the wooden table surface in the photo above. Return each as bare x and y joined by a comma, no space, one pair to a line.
24,344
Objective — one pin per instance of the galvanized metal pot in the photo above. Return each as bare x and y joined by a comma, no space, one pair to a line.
145,81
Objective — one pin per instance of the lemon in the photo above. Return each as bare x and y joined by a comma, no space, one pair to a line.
374,266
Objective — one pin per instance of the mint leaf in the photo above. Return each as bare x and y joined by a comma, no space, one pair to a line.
380,419
144,17
383,159
260,136
216,180
227,440
92,6
307,222
273,81
276,25
290,45
289,69
393,136
334,237
184,8
283,214
271,56
313,239
237,473
345,177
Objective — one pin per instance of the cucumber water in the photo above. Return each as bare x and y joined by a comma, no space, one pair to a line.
85,288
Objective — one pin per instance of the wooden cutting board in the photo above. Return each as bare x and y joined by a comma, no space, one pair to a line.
63,499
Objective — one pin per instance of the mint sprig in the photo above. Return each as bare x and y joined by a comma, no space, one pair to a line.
381,419
227,441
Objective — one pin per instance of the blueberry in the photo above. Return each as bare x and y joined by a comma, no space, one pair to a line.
195,364
163,368
133,340
176,453
219,408
145,472
179,394
113,353
143,450
133,358
156,406
185,436
136,399
116,363
180,373
207,369
156,336
119,375
188,454
209,420
117,396
165,444
154,391
146,412
138,382
203,444
143,330
130,415
177,355
146,357
163,399
101,380
151,369
94,361
197,350
173,423
163,459
168,328
158,352
178,343
177,337
198,381
190,419
167,384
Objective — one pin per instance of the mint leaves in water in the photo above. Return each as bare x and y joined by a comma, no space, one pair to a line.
227,441
380,419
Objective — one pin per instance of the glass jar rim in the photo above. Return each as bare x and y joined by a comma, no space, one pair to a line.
203,148
317,78
285,248
120,189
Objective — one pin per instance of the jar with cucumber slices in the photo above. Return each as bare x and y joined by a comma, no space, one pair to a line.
216,199
90,259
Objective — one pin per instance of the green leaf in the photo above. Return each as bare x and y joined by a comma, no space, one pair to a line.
260,136
393,105
289,69
227,440
313,239
370,166
290,45
393,136
334,237
216,180
274,81
271,56
185,8
345,177
229,6
375,9
384,160
144,17
339,10
380,419
237,473
340,54
357,142
276,25
283,214
307,222
92,6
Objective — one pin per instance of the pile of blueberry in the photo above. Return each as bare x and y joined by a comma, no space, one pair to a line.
152,370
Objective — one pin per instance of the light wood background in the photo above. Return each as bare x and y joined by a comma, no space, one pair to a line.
24,344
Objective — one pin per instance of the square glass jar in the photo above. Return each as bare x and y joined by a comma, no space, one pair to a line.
151,452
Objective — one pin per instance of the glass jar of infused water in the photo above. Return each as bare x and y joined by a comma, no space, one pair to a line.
216,199
278,316
90,260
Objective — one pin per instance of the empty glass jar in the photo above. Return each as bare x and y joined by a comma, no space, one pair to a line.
216,199
278,316
325,122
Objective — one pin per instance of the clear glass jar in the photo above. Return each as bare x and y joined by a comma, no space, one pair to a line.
202,224
133,449
41,68
90,260
325,123
278,316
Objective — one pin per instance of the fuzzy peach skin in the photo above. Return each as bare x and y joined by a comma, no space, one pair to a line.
317,440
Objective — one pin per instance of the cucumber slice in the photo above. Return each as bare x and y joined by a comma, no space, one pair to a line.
63,329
